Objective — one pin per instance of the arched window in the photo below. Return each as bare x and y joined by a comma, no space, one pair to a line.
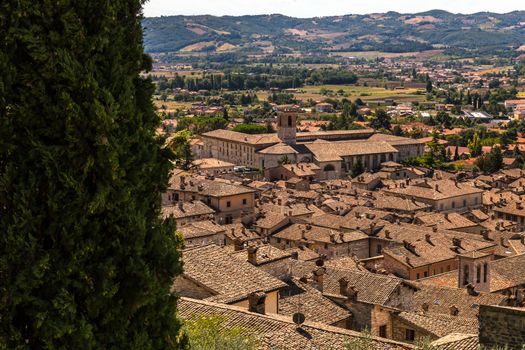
478,274
329,167
289,120
465,275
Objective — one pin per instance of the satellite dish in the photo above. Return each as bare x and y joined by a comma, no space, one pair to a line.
298,318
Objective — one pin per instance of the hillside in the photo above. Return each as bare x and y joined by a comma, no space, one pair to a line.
388,32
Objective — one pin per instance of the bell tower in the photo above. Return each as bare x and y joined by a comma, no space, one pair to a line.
474,271
287,126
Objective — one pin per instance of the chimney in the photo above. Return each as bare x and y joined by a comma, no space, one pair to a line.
434,228
238,244
352,294
472,290
454,311
456,242
504,242
447,217
428,238
279,201
342,237
343,286
252,255
425,307
387,234
294,255
332,237
319,277
437,188
257,302
181,206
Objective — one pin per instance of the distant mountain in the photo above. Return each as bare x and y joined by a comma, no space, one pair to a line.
387,32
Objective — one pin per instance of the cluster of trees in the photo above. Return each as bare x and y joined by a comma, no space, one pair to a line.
258,77
254,128
201,124
86,262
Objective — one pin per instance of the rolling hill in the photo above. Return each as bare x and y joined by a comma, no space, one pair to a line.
386,32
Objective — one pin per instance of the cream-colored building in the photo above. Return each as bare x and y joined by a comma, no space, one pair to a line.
335,152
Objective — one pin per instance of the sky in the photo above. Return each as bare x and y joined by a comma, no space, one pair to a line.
314,8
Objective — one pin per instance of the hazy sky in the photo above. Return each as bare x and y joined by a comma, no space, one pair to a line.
312,8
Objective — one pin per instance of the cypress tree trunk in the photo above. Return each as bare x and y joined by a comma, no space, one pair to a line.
85,261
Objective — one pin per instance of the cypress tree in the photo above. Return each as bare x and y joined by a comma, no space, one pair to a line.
85,261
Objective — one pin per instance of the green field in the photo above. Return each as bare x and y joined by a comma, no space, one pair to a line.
365,93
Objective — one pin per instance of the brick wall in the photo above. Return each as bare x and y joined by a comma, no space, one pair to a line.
501,326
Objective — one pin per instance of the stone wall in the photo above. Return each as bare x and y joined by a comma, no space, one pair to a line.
501,326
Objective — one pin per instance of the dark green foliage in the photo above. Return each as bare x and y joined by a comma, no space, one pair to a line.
381,120
180,145
357,168
85,261
491,162
251,128
201,124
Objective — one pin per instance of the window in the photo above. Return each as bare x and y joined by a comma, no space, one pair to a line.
410,334
244,201
329,167
453,204
425,274
382,331
417,276
441,269
478,274
441,206
175,197
464,202
228,204
228,219
485,272
476,200
465,275
289,120
379,249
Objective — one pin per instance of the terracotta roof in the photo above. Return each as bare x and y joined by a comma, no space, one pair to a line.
436,190
213,188
265,254
441,299
334,151
440,325
331,133
398,204
237,231
447,221
508,272
394,140
457,341
303,253
229,278
280,148
301,297
228,135
210,163
302,169
270,219
187,209
279,332
310,233
200,229
421,252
